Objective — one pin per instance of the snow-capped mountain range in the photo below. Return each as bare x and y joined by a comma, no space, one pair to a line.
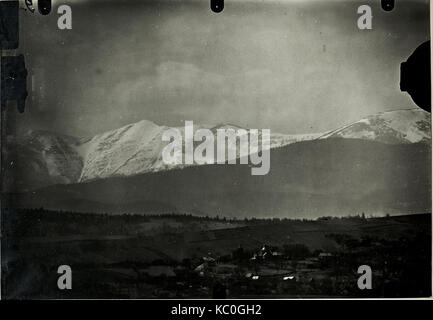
393,127
44,158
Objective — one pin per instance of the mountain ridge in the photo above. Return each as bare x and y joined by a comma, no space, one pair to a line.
332,177
44,158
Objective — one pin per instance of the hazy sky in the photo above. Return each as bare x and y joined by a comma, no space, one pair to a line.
291,66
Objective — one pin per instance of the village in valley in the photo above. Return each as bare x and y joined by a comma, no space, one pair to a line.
185,256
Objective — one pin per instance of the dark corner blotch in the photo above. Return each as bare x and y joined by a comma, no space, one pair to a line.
415,76
217,6
9,25
387,5
13,81
44,7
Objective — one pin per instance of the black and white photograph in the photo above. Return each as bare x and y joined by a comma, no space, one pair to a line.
210,149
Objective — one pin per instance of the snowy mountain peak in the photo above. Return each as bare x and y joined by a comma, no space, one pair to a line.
227,126
41,158
46,158
129,149
391,127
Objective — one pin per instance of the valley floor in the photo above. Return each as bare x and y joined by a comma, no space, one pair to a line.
182,256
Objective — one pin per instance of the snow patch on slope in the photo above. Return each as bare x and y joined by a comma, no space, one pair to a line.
392,127
137,148
116,152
